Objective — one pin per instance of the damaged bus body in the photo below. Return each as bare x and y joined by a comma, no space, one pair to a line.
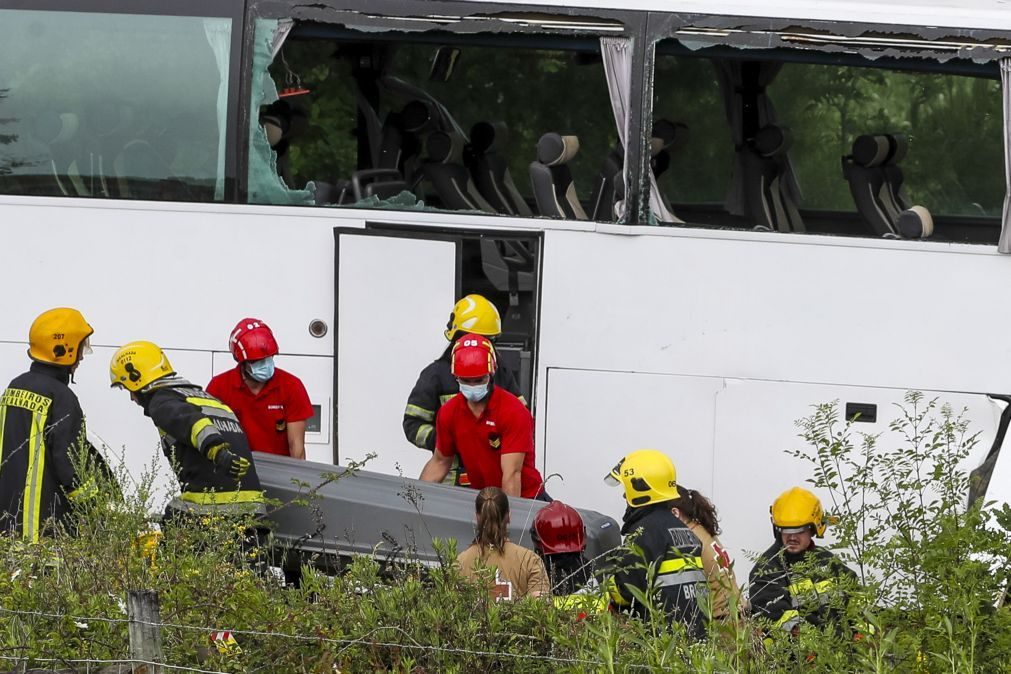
697,219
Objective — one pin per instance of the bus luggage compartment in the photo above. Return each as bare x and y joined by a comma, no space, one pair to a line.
331,512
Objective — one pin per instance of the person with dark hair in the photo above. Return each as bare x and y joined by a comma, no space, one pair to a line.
699,514
486,426
518,572
436,384
655,537
560,538
796,582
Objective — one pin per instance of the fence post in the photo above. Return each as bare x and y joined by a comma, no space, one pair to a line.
144,612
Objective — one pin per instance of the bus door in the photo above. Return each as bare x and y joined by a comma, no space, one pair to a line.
395,288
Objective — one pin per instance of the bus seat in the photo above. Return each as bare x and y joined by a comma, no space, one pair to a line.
445,171
875,181
668,137
381,183
554,191
603,197
58,172
490,169
508,264
764,166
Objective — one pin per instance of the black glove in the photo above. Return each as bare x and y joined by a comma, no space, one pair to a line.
222,456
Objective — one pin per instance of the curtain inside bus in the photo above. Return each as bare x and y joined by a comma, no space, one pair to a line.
617,57
1005,231
748,79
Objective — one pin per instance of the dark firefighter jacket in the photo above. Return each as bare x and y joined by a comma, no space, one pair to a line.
436,384
190,422
788,589
679,584
41,424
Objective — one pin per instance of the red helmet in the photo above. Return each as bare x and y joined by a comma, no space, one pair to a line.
559,528
251,339
473,356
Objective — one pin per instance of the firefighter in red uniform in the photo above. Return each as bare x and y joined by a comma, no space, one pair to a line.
41,426
436,384
271,404
486,426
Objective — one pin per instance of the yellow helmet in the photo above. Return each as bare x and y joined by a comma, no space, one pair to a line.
137,364
59,336
648,477
476,315
797,508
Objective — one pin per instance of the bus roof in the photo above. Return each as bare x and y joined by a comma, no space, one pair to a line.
980,14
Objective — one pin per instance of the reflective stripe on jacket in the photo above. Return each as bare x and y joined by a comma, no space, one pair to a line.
41,423
679,583
788,589
190,422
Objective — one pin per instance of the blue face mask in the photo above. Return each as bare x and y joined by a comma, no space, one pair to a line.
261,370
474,393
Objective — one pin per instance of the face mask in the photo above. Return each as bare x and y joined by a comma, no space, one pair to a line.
261,370
474,393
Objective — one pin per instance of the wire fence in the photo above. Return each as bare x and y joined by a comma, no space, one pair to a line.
366,640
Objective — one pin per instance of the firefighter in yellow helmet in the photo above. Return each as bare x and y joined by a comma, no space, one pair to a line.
42,428
679,586
200,435
436,384
795,581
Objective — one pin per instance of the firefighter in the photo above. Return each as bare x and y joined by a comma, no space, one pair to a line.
699,514
201,436
679,585
560,539
795,581
487,427
271,404
42,428
436,384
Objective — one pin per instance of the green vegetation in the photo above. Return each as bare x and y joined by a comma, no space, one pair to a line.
932,567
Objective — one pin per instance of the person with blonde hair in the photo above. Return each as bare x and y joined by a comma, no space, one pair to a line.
518,572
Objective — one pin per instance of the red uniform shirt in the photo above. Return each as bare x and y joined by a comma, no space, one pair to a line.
505,427
265,416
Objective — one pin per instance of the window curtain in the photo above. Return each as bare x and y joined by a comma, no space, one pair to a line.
1005,230
617,56
731,79
219,36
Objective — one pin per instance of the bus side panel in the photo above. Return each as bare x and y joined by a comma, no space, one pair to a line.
174,275
595,418
777,306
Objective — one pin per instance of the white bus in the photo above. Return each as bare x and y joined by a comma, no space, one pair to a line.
732,242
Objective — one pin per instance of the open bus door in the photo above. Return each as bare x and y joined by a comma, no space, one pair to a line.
395,288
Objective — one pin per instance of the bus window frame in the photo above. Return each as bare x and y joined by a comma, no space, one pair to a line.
401,16
233,10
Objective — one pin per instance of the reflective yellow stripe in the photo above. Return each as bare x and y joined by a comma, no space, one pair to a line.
198,427
446,398
419,412
222,497
32,499
421,437
86,490
615,594
523,400
3,420
590,603
209,402
679,564
806,585
788,616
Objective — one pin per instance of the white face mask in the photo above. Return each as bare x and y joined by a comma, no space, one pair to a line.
474,393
